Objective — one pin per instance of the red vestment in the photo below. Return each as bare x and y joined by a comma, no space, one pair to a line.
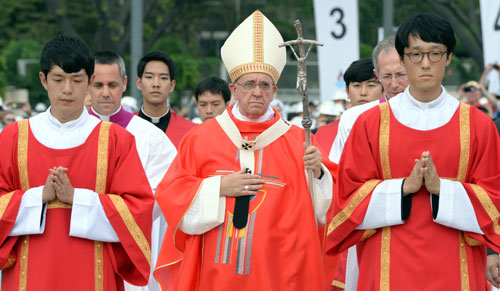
326,135
107,163
279,249
177,128
418,254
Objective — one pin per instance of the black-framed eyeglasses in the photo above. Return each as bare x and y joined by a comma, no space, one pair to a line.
249,86
417,57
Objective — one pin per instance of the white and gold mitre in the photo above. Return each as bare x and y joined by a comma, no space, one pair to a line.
253,47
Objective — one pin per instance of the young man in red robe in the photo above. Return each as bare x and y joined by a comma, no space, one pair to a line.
156,80
75,204
236,197
419,178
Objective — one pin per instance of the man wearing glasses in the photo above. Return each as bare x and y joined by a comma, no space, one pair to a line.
422,205
236,198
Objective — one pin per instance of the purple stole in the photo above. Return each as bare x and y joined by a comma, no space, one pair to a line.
122,117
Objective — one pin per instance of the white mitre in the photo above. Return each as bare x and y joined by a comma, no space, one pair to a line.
253,47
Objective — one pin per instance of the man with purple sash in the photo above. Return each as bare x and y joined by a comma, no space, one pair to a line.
155,149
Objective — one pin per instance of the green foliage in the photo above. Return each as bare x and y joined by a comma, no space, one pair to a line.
26,49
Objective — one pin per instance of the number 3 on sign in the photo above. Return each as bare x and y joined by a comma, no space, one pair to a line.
338,16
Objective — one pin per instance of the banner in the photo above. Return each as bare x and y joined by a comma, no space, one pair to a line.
490,24
337,28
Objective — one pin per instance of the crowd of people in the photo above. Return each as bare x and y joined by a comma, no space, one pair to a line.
398,190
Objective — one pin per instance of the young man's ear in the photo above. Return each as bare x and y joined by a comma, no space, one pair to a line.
43,80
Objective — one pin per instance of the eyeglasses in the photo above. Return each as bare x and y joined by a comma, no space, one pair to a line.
470,89
397,76
249,86
417,57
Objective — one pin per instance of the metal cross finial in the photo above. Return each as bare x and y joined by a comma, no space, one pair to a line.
302,85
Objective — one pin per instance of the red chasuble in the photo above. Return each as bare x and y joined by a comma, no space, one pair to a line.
107,163
279,249
419,254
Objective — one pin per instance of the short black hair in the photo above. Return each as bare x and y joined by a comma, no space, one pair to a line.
429,28
156,56
359,71
215,86
110,58
70,53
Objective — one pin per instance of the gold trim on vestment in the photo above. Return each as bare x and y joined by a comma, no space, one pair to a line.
385,248
100,188
359,196
471,242
464,269
338,284
385,122
22,163
23,263
385,259
133,228
11,260
98,266
240,70
464,141
367,234
22,153
487,205
4,201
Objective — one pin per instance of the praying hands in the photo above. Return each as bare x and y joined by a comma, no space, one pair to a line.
423,173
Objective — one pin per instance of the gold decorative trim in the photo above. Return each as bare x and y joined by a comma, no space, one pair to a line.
338,284
11,260
56,203
100,188
254,67
98,266
23,263
4,201
385,122
102,158
470,241
464,269
385,259
487,205
22,153
367,234
464,141
359,196
132,226
258,37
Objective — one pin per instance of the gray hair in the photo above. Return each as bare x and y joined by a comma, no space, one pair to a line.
384,45
109,58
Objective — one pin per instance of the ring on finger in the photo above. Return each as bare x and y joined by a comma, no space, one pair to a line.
246,187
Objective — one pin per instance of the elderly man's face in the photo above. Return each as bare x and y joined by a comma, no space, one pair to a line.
254,92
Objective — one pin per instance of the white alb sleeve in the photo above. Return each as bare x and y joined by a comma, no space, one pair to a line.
31,215
455,209
207,210
384,208
88,219
323,192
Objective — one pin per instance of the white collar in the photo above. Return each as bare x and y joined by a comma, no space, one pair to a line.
105,117
54,122
268,115
439,101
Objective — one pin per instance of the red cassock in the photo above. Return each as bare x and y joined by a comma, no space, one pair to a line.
177,128
418,254
326,135
108,164
279,249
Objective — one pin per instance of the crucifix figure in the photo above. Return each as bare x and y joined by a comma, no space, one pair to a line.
302,82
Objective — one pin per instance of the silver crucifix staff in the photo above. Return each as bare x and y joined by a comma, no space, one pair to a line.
302,84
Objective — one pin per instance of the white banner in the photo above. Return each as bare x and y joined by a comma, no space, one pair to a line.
337,28
490,24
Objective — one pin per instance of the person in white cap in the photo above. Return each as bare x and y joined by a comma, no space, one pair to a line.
236,197
155,150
